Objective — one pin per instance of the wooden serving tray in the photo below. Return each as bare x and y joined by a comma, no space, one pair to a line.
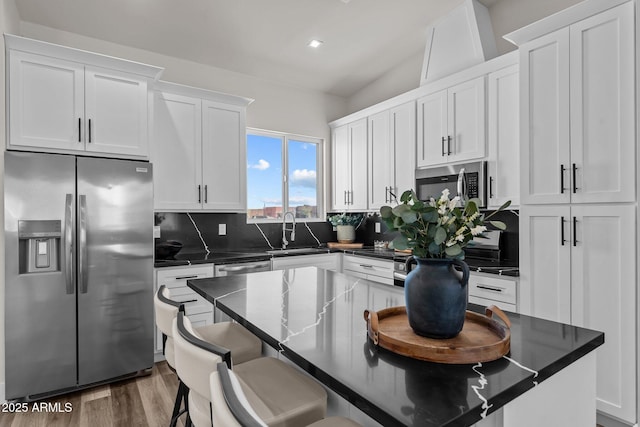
482,338
337,245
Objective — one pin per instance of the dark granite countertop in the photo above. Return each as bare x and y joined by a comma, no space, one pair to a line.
315,317
248,255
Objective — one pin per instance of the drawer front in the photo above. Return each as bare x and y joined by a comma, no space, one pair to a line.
487,302
328,261
490,288
177,277
368,266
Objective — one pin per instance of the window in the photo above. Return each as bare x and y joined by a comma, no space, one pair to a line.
283,176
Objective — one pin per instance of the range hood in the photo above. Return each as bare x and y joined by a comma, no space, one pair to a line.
459,40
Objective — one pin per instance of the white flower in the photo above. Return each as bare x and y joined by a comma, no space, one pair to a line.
442,209
473,217
461,230
454,202
432,202
460,237
445,195
478,230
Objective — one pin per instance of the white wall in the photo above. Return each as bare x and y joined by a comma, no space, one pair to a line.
506,16
8,24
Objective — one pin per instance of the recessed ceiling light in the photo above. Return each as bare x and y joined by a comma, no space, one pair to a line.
315,43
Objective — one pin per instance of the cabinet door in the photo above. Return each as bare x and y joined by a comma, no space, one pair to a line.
466,121
504,142
380,160
177,152
544,119
340,156
46,102
603,107
224,154
545,257
603,270
358,139
403,137
432,129
116,113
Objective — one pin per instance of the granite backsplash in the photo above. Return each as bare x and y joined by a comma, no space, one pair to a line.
195,230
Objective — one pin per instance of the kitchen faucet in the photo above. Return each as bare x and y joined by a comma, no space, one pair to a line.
285,242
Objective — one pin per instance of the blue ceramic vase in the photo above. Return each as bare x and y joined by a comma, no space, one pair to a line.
436,296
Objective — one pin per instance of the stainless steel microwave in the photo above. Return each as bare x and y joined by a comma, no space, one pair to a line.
467,180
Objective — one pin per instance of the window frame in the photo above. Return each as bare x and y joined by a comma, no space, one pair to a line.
285,137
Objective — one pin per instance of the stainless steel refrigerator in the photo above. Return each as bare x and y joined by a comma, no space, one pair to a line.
78,271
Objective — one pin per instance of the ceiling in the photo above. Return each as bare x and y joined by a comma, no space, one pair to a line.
268,39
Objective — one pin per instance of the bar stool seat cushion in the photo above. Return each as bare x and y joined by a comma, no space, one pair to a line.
300,402
244,346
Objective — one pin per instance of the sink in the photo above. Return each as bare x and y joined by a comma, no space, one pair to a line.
297,251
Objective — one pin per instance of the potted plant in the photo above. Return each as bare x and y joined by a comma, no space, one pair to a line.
346,225
437,231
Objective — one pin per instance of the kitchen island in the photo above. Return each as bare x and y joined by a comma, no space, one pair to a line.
314,317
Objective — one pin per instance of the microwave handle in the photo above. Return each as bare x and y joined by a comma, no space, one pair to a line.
462,184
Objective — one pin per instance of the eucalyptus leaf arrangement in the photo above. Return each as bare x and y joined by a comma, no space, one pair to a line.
345,219
437,228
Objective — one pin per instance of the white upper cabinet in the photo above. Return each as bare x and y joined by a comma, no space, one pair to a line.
349,162
64,100
504,138
224,154
391,154
199,150
177,152
578,111
451,124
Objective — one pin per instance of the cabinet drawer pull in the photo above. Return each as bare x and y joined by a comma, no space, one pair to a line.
489,288
186,277
79,129
562,239
206,194
575,238
573,171
366,265
89,130
562,169
443,153
491,187
448,145
199,193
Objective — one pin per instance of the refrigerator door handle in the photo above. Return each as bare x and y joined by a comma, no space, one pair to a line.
82,253
68,244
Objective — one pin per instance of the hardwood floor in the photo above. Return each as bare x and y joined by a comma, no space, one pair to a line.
139,402
145,402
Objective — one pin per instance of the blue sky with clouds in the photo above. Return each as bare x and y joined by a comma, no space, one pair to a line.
264,172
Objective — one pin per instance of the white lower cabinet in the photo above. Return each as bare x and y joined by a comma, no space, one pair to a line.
198,310
578,266
376,270
325,261
486,289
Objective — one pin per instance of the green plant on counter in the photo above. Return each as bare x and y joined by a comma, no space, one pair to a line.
345,219
437,228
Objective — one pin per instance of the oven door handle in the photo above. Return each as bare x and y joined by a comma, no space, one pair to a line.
399,276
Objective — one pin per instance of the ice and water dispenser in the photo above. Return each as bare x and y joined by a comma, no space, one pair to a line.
39,245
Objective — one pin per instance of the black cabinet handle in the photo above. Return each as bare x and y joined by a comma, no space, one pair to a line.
345,197
562,179
206,193
573,169
449,145
79,129
186,277
199,193
489,288
89,130
575,238
443,153
562,239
